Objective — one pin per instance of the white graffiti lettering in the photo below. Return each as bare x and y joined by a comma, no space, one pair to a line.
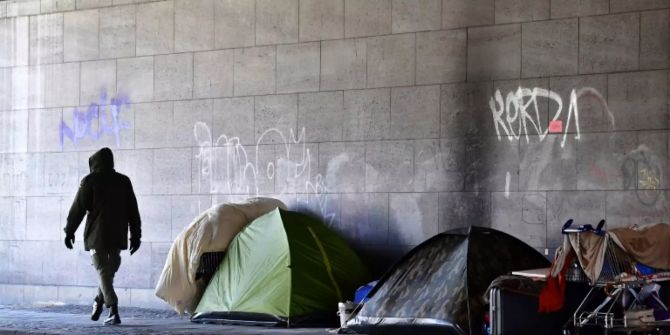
518,112
226,166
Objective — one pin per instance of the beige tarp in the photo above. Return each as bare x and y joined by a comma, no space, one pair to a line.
211,231
649,245
590,250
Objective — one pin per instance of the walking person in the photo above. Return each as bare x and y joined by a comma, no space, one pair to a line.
107,200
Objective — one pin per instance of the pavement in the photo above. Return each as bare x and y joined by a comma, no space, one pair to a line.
75,320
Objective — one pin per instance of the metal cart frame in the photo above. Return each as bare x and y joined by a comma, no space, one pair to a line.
621,282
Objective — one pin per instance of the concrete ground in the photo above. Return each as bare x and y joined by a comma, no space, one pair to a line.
74,320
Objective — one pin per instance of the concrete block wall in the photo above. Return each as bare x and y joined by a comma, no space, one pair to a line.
392,119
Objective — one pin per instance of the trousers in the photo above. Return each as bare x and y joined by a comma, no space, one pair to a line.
106,262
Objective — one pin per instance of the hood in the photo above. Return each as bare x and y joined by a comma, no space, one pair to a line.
101,161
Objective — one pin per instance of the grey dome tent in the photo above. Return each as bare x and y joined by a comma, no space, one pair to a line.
438,287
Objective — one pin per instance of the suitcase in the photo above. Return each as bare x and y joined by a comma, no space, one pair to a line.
513,313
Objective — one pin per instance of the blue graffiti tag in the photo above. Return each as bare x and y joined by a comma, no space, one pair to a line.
83,122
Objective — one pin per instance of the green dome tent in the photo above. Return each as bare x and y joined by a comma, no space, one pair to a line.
284,268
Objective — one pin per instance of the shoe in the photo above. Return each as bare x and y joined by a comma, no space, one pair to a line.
113,318
97,310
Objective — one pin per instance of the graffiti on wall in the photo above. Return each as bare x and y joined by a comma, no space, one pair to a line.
12,211
518,113
17,173
99,119
642,172
227,166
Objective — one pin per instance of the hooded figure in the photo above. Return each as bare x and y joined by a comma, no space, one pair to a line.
107,200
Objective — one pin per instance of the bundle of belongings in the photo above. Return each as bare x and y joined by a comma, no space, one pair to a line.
642,253
211,231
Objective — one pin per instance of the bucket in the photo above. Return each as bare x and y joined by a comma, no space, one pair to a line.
344,310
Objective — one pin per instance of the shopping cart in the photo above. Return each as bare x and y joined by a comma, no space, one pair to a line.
622,309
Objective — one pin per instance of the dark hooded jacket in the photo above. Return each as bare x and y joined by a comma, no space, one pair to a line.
107,200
